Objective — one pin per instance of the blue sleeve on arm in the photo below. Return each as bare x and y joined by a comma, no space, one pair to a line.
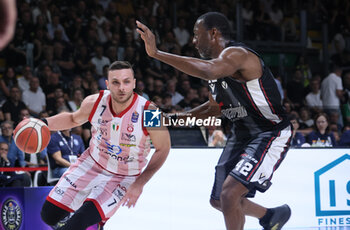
43,154
20,156
334,142
345,139
53,144
310,138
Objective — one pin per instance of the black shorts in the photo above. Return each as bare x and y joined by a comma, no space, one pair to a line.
252,161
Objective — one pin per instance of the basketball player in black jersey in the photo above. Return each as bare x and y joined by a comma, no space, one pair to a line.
244,91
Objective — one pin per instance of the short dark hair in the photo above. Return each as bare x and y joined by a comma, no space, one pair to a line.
292,116
219,21
6,122
335,67
120,65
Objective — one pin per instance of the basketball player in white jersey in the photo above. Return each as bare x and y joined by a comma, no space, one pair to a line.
109,173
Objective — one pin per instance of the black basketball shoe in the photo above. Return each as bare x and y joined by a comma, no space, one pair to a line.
280,216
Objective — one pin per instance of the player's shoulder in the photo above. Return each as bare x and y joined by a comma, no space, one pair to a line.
151,105
89,102
93,98
234,50
146,103
141,98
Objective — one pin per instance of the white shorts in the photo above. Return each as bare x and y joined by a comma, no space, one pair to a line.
87,181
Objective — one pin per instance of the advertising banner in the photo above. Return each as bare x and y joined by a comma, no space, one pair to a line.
315,183
21,207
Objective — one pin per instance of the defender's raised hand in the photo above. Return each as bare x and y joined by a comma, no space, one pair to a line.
148,37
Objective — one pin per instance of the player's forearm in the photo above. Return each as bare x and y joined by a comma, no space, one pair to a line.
61,121
191,66
62,162
153,166
203,111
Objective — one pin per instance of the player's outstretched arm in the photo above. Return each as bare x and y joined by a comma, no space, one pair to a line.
229,61
161,141
207,109
8,15
67,120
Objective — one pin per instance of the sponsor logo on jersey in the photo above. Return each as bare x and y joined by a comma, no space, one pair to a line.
99,137
127,145
103,131
119,191
151,118
212,87
128,137
120,194
70,182
102,122
235,113
262,176
115,127
59,191
11,215
63,222
130,128
224,84
246,156
114,149
135,116
114,156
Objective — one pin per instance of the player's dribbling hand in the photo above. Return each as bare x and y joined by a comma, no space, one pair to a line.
148,37
132,195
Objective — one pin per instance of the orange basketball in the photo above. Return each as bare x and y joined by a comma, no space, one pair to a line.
31,135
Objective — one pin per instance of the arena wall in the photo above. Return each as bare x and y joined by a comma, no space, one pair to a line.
314,182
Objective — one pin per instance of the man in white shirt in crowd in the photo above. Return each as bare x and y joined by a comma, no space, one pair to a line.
34,98
181,33
332,91
313,99
176,97
23,81
99,60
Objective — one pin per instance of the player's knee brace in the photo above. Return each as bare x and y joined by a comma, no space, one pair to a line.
51,214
